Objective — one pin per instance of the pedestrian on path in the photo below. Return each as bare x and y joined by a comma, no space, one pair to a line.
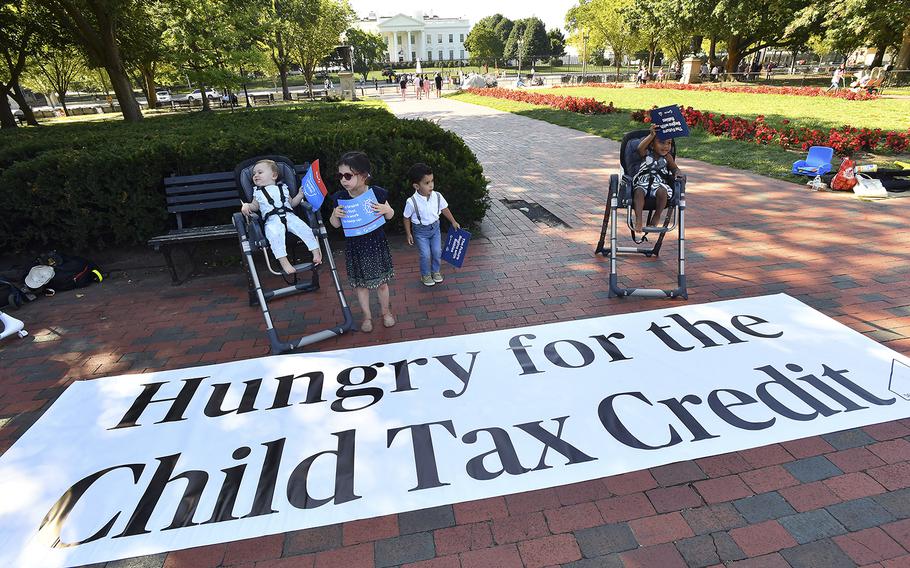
421,222
426,86
403,84
438,80
367,257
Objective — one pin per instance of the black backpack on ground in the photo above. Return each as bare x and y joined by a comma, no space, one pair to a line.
70,271
11,296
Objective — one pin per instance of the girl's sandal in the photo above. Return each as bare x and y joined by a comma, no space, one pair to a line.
388,320
366,326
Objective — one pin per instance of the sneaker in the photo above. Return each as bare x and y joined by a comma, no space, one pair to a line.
437,276
427,280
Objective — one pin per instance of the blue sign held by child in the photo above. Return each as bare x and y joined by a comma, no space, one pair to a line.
456,248
670,122
359,216
312,187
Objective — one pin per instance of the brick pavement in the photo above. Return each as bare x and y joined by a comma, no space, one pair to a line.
842,499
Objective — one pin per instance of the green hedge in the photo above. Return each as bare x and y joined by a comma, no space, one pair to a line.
96,185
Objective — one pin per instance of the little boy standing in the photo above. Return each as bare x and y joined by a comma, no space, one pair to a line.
421,222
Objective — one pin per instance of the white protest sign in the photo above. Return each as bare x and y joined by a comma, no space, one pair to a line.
139,464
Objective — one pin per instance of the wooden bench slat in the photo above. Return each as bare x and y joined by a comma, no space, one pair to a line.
234,203
220,176
204,198
199,188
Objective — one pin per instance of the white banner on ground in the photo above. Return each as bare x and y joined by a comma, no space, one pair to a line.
138,464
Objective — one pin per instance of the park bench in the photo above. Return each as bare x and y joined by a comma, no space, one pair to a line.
196,194
267,98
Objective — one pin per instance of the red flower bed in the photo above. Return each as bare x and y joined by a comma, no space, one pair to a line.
765,90
845,140
571,104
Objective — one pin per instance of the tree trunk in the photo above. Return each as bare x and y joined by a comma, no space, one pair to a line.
285,90
734,55
62,98
712,51
148,79
903,56
879,55
206,105
26,109
7,120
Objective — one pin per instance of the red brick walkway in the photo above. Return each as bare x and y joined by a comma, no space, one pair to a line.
841,499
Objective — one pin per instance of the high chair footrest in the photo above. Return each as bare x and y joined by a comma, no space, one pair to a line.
303,267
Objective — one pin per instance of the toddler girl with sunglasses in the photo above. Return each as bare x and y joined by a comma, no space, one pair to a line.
367,257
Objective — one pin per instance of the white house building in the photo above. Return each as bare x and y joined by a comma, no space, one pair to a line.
428,38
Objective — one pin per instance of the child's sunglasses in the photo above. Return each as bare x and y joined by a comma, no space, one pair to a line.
346,177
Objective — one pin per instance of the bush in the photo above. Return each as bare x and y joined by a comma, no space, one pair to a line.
95,185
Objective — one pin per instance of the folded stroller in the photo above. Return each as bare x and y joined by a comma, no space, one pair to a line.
251,233
620,195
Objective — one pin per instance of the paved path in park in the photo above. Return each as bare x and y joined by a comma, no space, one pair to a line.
842,499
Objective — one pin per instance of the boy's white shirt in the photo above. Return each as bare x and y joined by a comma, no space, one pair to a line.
264,206
428,207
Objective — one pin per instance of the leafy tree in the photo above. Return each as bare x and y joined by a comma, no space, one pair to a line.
504,30
201,33
18,30
535,43
851,24
484,44
510,49
97,25
141,46
606,24
557,43
369,50
58,68
318,30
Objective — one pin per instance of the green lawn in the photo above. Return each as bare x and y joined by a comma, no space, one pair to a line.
772,161
812,112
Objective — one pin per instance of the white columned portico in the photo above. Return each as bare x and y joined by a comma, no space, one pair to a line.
407,56
394,54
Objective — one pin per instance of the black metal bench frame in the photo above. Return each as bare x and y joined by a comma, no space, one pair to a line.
193,194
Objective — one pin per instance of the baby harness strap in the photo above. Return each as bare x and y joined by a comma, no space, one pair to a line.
280,209
417,211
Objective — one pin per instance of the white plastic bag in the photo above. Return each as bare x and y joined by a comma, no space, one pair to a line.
867,187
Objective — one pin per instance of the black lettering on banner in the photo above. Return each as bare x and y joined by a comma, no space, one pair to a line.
618,430
662,335
520,351
692,329
859,391
286,383
227,496
612,350
677,407
502,447
744,327
299,496
780,380
345,391
215,404
456,369
722,410
52,525
555,441
587,356
268,479
424,454
403,375
174,414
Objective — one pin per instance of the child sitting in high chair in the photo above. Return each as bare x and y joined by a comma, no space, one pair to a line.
273,200
421,222
651,179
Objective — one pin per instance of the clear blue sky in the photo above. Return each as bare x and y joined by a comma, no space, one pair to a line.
552,12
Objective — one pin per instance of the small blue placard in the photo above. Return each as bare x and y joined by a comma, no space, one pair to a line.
312,187
359,217
670,122
456,247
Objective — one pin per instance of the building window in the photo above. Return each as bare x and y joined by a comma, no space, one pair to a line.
440,39
451,54
450,38
429,38
461,54
440,55
429,56
461,38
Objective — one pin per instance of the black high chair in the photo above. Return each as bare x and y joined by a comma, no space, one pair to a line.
251,233
620,195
